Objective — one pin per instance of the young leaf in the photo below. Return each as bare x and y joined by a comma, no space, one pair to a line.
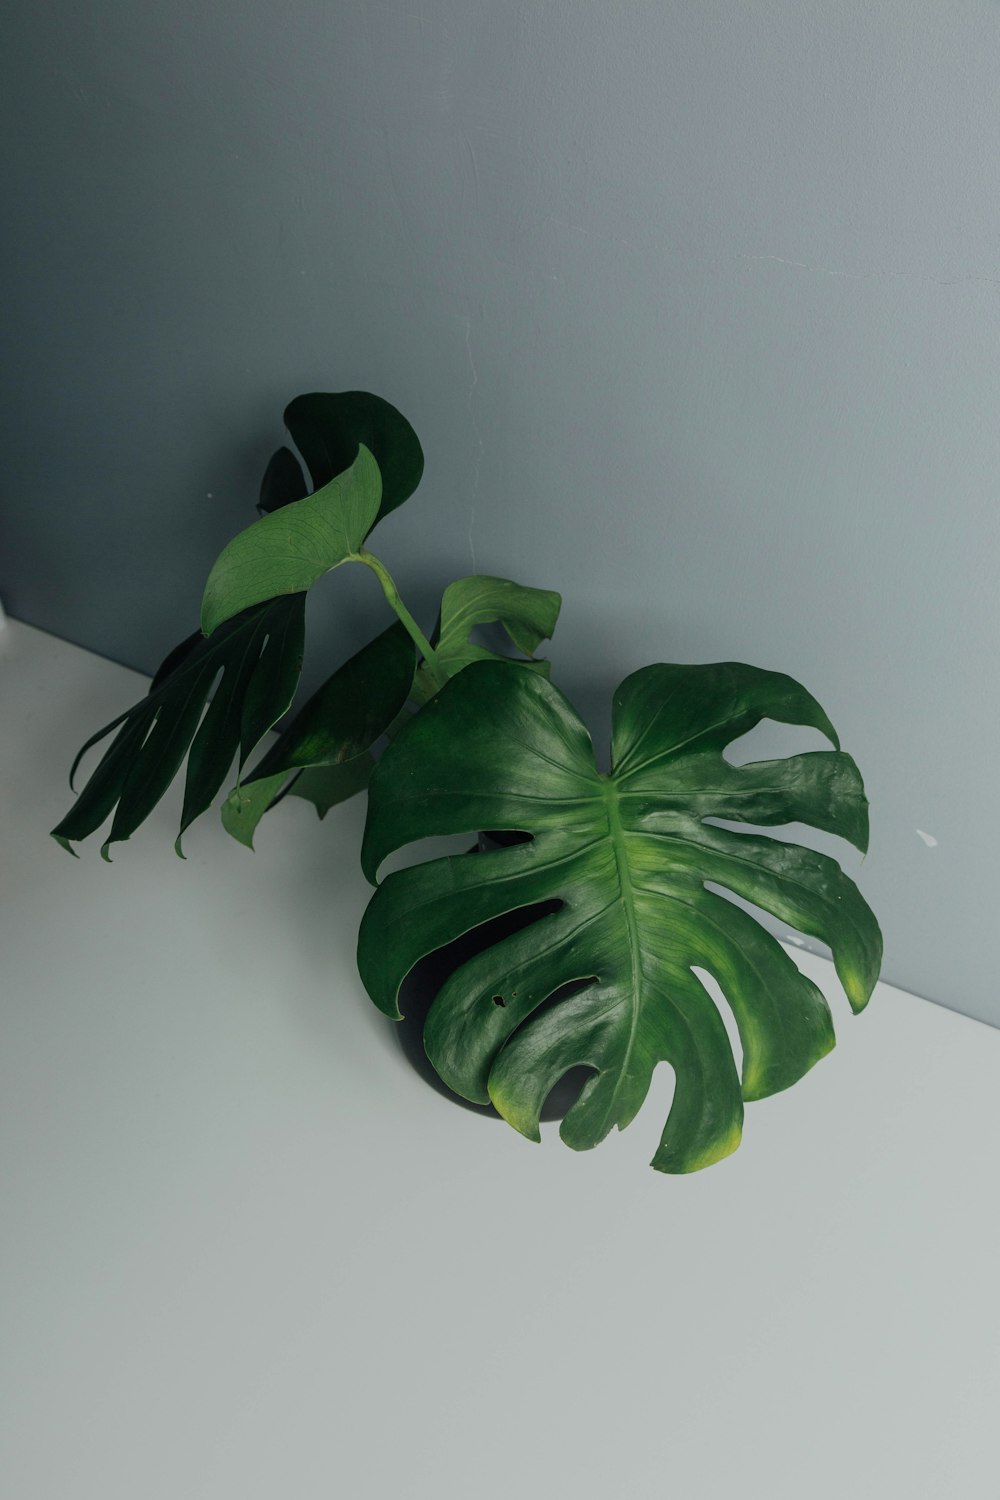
259,657
327,428
287,551
527,614
628,856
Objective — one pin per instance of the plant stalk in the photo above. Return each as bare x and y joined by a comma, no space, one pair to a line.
396,604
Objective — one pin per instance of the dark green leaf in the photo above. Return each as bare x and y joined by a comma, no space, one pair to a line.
283,482
104,786
628,855
326,786
253,693
327,428
285,552
330,734
351,710
174,658
323,786
259,649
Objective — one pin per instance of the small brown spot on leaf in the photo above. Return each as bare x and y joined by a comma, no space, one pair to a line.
499,1000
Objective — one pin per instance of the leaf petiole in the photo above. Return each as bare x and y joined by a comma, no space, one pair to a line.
410,625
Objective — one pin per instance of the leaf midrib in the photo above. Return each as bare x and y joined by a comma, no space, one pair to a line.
617,834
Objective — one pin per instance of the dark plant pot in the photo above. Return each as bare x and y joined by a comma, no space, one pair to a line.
422,984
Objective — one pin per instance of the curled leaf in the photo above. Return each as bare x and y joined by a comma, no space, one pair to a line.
328,426
287,551
528,615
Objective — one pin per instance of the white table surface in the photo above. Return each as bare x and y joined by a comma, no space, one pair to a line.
248,1254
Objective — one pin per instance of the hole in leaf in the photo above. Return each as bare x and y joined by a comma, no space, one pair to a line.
421,986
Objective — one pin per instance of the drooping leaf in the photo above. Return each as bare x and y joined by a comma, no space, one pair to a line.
248,802
629,855
283,482
328,786
287,551
528,615
256,657
327,428
352,708
323,786
332,732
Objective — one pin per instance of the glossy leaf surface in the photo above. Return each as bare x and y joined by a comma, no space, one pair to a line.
630,857
287,551
255,659
327,428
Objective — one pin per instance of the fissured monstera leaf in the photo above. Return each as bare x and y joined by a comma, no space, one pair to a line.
259,657
606,980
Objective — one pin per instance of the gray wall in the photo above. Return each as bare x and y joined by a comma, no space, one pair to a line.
694,306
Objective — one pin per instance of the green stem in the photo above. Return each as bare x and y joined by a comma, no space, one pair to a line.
396,604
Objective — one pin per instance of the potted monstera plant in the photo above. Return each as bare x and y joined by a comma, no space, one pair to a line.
616,879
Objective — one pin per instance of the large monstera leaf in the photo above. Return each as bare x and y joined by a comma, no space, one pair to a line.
606,981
